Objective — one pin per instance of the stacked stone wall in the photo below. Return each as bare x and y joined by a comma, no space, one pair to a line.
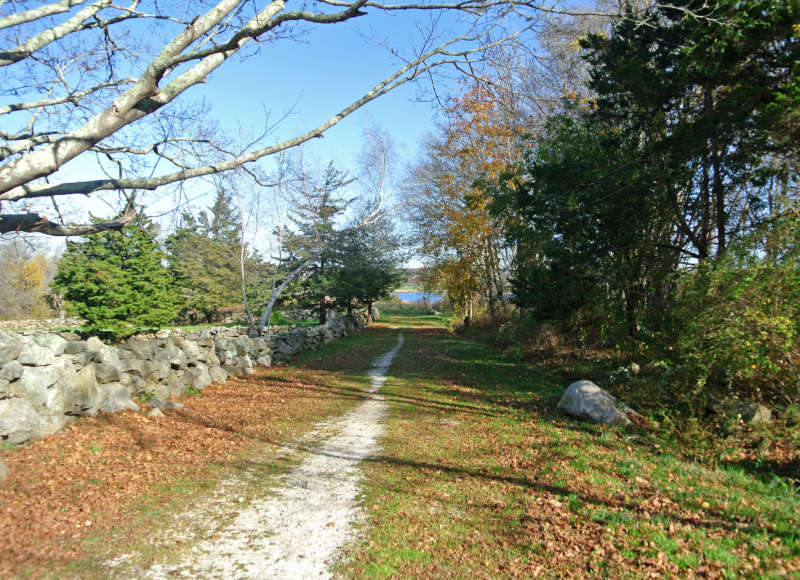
49,378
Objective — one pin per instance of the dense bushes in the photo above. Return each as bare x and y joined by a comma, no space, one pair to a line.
735,325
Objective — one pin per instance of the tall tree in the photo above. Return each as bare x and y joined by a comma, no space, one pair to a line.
319,204
366,265
209,258
683,151
711,101
118,280
451,224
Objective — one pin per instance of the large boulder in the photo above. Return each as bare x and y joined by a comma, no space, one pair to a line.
19,421
585,400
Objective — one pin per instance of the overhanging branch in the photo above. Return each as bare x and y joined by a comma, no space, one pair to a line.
37,223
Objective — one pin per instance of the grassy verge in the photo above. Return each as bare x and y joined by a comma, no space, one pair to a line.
110,486
481,479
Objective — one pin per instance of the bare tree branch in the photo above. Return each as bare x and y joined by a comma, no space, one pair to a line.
39,12
70,100
36,223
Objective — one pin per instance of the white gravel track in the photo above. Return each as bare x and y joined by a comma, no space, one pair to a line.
311,515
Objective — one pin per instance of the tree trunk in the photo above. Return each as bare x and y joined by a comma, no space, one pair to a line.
323,310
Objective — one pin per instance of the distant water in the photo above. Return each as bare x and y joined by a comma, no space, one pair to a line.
431,297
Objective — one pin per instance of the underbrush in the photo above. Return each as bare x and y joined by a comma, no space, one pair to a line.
683,417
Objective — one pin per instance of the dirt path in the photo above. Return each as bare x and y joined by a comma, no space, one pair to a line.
311,513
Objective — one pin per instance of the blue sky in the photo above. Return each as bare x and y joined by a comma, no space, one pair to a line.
315,78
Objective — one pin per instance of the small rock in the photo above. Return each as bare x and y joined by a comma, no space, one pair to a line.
156,412
74,347
4,471
35,355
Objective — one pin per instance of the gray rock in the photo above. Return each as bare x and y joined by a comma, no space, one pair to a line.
35,355
585,400
200,377
19,421
218,375
70,336
140,347
74,347
5,389
11,371
61,394
117,397
139,368
748,412
175,385
264,361
52,342
232,370
33,384
164,404
81,359
190,349
107,373
52,423
155,413
87,397
10,347
4,472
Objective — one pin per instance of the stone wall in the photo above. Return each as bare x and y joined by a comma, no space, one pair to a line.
42,324
49,378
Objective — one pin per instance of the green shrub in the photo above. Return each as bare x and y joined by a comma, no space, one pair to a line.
736,322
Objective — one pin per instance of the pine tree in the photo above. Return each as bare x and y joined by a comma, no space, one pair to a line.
366,265
317,209
204,256
117,280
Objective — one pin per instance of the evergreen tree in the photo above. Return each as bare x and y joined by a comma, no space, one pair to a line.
117,279
367,265
204,255
318,207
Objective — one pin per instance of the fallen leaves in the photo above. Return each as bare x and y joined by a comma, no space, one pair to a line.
87,479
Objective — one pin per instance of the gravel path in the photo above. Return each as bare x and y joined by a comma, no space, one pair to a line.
311,516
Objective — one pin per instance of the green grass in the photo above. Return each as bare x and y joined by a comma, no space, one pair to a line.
481,476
